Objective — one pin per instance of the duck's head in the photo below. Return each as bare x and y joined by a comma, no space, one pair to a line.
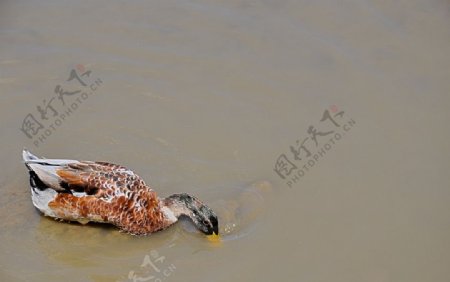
201,215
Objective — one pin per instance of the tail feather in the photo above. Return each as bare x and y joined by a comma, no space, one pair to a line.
46,170
35,182
27,155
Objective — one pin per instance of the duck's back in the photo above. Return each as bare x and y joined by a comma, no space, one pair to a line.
94,191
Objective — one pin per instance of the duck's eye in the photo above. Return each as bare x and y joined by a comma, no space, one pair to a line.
205,222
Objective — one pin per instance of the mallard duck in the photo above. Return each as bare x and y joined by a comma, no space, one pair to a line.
87,191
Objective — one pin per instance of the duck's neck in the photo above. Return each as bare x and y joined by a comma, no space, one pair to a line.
175,206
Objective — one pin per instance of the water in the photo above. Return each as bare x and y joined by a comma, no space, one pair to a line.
203,97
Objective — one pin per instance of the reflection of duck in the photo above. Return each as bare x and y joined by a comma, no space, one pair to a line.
86,191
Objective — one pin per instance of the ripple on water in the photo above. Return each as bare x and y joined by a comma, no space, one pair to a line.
240,214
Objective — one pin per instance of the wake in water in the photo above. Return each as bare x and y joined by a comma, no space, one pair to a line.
240,215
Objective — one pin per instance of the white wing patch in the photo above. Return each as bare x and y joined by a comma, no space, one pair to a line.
79,194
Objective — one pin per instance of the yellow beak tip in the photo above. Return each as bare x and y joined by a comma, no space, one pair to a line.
213,237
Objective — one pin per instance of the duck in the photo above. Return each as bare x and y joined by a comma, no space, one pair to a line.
103,192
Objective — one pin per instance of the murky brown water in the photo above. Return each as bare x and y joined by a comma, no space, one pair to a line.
203,97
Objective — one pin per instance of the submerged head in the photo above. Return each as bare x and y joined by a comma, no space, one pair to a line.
201,215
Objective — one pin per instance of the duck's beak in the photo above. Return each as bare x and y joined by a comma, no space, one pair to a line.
213,237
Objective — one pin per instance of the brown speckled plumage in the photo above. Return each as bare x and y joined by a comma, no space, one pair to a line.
103,192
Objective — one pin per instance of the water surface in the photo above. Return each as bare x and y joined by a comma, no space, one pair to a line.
203,97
